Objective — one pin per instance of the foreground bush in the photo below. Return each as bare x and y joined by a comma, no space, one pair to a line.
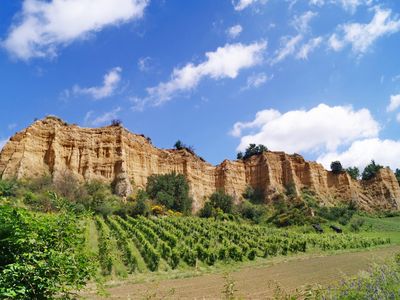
380,282
42,256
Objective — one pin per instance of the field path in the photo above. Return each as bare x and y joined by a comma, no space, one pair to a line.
252,282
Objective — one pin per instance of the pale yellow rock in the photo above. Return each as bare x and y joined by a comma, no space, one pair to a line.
113,154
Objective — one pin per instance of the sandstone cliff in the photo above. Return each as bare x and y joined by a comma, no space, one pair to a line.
113,154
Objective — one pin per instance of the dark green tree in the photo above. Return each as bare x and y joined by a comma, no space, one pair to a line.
179,145
239,155
397,173
354,172
255,196
371,170
171,190
222,201
254,149
336,167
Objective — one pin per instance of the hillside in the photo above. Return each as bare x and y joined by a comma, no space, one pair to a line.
115,155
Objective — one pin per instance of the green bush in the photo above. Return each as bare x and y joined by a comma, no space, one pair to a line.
397,173
252,150
255,196
251,211
8,188
222,201
171,190
371,170
354,172
41,255
336,167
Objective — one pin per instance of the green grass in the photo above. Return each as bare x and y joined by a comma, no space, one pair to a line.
382,224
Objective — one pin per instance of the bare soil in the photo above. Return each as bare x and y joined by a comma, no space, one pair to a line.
255,282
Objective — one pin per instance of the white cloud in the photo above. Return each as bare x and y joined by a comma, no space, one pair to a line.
110,83
225,62
349,5
398,117
362,36
302,23
322,128
361,152
43,26
234,31
3,143
256,80
242,4
288,47
103,119
394,103
309,47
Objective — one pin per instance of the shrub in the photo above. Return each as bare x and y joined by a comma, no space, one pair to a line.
116,122
207,211
8,188
171,190
397,173
336,167
222,201
251,211
354,172
254,149
181,146
356,224
239,155
255,196
42,256
371,170
141,206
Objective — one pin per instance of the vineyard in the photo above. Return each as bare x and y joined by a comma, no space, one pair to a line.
177,242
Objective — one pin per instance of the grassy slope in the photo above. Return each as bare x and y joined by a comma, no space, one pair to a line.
383,227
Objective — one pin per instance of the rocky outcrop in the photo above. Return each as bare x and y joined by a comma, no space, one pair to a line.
114,155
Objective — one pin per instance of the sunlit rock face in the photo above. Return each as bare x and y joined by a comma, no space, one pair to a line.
115,155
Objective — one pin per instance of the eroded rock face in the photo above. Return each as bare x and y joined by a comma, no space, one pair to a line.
113,154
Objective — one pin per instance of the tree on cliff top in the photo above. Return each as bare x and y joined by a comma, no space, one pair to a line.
371,170
336,167
397,173
354,172
252,150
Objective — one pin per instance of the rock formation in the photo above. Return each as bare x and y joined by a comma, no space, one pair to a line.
114,155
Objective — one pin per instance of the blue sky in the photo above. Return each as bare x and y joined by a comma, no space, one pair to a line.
316,77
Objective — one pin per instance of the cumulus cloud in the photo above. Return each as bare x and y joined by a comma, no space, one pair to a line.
361,152
362,36
43,26
242,4
394,103
309,47
323,128
302,23
225,62
103,119
110,84
234,31
288,47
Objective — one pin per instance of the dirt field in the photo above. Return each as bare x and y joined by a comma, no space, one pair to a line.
253,282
